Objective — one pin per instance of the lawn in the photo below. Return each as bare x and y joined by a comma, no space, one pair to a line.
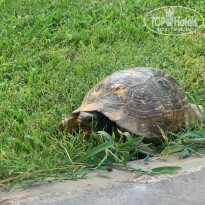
53,52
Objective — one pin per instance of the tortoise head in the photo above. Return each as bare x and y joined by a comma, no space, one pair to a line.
89,120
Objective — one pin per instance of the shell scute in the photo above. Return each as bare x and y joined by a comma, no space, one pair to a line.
140,100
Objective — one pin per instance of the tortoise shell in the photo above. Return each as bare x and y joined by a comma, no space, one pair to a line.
142,100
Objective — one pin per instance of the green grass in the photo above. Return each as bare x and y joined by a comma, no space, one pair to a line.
53,52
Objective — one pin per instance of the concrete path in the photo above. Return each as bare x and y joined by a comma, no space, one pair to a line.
122,187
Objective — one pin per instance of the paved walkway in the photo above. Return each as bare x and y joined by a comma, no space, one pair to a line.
122,187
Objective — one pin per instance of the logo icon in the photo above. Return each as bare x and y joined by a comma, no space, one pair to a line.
173,20
169,17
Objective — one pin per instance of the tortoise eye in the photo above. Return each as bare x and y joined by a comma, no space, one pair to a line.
90,119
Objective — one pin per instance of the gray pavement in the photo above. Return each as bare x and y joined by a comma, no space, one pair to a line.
120,186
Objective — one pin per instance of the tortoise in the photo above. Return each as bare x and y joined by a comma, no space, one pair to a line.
144,101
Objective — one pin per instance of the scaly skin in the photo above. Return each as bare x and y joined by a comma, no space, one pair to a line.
197,116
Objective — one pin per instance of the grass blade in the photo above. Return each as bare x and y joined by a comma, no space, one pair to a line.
96,150
105,134
129,143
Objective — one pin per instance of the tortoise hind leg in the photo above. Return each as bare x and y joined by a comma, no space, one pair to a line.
197,115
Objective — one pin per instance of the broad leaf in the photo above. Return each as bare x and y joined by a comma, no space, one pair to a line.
172,149
128,135
165,170
190,134
125,158
185,153
96,150
138,171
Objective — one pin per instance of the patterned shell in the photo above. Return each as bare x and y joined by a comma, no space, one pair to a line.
144,101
